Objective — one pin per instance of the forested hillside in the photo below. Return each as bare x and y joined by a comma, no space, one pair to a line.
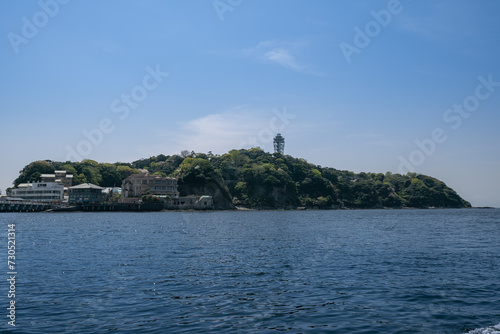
256,179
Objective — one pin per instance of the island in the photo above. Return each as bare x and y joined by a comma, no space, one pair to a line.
253,179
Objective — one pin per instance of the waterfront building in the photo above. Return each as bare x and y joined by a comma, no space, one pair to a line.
40,191
204,202
279,144
86,193
59,176
138,185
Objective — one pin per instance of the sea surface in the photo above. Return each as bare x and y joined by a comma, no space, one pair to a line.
359,271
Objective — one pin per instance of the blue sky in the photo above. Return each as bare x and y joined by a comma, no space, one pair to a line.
353,85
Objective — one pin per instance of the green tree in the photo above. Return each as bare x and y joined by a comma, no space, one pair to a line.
195,171
33,171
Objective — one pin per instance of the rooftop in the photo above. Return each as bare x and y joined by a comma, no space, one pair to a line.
54,175
87,186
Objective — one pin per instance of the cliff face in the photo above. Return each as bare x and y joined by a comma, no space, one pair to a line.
263,197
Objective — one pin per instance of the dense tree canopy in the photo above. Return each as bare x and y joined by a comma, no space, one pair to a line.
258,179
101,174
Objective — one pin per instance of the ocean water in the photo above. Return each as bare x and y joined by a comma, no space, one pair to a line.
363,271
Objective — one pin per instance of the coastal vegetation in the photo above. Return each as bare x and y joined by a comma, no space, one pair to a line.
257,179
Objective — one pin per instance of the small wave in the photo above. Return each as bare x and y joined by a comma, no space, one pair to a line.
487,330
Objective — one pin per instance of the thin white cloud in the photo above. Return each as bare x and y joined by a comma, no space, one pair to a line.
283,58
222,132
239,127
281,53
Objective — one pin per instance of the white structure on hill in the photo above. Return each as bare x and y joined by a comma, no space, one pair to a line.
40,191
59,176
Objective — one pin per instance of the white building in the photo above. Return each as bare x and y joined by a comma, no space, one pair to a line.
40,191
59,176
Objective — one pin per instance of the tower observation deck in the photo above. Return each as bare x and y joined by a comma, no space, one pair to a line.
279,144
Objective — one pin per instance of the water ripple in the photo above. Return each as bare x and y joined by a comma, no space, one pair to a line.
373,271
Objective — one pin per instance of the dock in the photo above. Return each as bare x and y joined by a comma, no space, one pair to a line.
25,206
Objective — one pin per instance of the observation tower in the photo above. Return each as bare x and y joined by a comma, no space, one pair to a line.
279,144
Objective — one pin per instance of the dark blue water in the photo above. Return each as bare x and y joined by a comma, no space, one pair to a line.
374,271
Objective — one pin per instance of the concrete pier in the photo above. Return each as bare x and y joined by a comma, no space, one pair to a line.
24,206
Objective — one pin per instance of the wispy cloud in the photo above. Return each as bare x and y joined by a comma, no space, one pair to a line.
218,132
245,127
282,53
283,58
